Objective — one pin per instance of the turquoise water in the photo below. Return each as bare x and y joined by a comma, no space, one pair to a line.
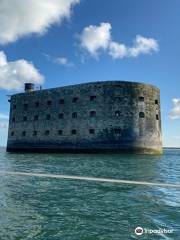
52,209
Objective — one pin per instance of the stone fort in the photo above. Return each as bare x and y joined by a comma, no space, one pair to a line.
106,116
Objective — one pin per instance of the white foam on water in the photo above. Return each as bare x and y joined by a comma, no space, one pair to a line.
117,181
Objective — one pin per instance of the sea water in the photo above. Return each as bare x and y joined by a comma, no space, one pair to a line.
41,208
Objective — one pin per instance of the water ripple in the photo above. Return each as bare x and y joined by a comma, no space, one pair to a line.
51,209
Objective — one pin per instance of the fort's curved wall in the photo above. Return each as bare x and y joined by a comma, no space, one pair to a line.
99,116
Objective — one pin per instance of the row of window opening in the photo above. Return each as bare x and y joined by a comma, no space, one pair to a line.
74,100
142,115
61,101
60,116
47,132
75,115
60,132
141,99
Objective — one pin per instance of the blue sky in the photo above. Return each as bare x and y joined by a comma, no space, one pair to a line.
61,50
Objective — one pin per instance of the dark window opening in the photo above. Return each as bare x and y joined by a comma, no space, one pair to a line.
141,99
35,133
61,101
91,131
25,106
92,98
92,114
36,117
156,101
14,106
47,132
24,118
13,119
75,99
23,133
73,131
60,132
157,117
117,130
117,113
48,116
37,104
49,102
61,115
12,134
141,115
118,99
74,115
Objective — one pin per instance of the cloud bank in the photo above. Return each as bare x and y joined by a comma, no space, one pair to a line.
175,112
19,18
96,38
14,74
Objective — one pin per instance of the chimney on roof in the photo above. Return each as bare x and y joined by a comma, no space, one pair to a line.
29,87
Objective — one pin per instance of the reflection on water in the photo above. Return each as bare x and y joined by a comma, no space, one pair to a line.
50,209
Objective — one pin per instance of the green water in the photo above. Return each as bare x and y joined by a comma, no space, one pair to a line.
52,209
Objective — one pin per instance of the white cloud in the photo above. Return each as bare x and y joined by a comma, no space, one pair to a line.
94,38
117,50
19,18
14,74
143,45
63,61
59,60
175,112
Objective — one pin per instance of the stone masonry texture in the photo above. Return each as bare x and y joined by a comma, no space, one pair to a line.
107,116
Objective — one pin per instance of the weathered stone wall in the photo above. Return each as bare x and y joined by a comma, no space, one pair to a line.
111,115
